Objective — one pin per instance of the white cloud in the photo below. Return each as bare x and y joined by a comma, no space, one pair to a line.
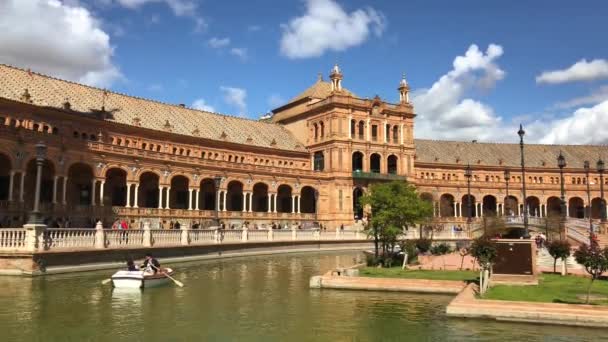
579,71
444,110
235,97
217,43
200,104
584,126
326,26
596,96
62,40
276,100
240,53
181,8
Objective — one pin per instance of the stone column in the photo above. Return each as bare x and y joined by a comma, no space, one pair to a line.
10,185
225,195
136,196
93,186
250,201
185,237
401,135
218,194
65,191
293,204
168,196
244,202
100,239
160,197
55,180
190,199
269,203
384,131
368,131
244,235
350,127
196,199
128,205
299,201
275,203
22,186
147,238
455,210
101,186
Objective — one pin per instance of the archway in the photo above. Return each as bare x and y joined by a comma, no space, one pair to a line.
374,163
115,189
489,205
307,200
533,204
357,207
554,207
357,162
179,196
5,175
147,196
259,202
207,194
391,164
284,199
596,205
576,207
80,182
46,182
511,206
465,206
234,196
446,205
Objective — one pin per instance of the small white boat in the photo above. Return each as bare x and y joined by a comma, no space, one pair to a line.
140,279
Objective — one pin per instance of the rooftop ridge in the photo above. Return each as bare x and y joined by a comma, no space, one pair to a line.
505,143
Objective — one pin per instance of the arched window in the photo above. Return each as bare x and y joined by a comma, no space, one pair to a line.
374,163
392,164
316,129
322,127
357,162
319,161
353,125
395,134
360,129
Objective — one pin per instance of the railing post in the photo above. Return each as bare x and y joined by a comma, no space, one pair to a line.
147,238
185,237
216,235
270,234
317,234
244,234
100,236
337,233
34,237
294,233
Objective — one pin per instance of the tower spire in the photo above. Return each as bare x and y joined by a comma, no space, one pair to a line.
336,78
404,89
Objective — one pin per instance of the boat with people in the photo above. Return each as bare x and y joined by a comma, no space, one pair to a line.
141,279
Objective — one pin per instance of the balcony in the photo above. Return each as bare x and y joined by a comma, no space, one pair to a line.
377,176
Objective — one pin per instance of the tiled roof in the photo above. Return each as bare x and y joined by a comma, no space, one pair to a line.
507,155
320,90
129,110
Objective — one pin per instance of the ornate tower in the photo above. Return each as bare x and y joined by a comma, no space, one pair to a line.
404,90
336,78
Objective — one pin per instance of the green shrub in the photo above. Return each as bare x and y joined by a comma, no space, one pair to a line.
423,245
441,249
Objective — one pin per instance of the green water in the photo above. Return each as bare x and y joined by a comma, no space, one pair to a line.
252,299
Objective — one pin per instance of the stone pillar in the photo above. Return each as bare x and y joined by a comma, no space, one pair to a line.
250,201
368,130
244,234
136,196
384,131
196,199
244,202
101,186
294,233
128,205
275,203
100,238
34,237
337,233
93,192
401,135
65,191
185,237
10,185
147,235
293,204
270,234
190,199
218,194
299,203
225,195
22,187
168,196
269,203
160,197
350,127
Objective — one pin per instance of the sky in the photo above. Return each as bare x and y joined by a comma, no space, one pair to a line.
476,69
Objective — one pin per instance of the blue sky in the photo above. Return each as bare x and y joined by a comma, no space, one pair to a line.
247,57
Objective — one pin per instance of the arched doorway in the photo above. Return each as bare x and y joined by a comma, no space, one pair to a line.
357,162
357,207
576,207
554,208
46,183
5,176
80,182
147,196
511,206
115,188
533,204
596,205
446,205
207,194
259,201
391,164
374,163
234,196
465,206
307,200
179,196
284,199
489,205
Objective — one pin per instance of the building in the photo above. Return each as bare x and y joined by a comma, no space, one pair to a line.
112,156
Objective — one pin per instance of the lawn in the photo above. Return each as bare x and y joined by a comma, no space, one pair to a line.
553,288
397,272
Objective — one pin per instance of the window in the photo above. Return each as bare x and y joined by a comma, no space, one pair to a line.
361,129
319,161
395,134
374,132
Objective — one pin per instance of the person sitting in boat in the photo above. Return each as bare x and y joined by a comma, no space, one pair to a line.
151,265
131,266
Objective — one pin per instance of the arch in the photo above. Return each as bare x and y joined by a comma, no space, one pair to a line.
596,205
316,131
234,196
115,188
307,200
553,206
357,161
361,130
374,163
148,190
533,204
465,206
207,194
5,174
391,164
259,202
284,199
178,195
576,207
322,129
319,161
446,205
511,206
357,208
489,205
80,182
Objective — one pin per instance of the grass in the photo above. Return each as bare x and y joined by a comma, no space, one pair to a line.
553,288
397,272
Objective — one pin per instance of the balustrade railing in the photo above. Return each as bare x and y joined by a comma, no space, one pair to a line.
123,238
166,237
12,238
202,236
69,238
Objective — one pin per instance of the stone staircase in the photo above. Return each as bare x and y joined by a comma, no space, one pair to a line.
545,259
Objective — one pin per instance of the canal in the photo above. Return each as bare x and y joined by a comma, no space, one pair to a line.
253,299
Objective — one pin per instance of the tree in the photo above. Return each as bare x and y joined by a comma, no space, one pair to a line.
463,252
484,250
395,206
559,249
595,261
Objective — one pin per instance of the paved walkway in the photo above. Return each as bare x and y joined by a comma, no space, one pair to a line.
387,284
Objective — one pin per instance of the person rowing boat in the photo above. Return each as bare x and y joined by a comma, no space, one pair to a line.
150,265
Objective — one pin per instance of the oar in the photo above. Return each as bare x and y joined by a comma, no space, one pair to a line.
177,282
106,281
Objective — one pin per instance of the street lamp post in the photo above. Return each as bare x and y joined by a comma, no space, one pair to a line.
468,174
600,170
217,181
35,217
521,134
317,206
561,163
507,179
586,167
